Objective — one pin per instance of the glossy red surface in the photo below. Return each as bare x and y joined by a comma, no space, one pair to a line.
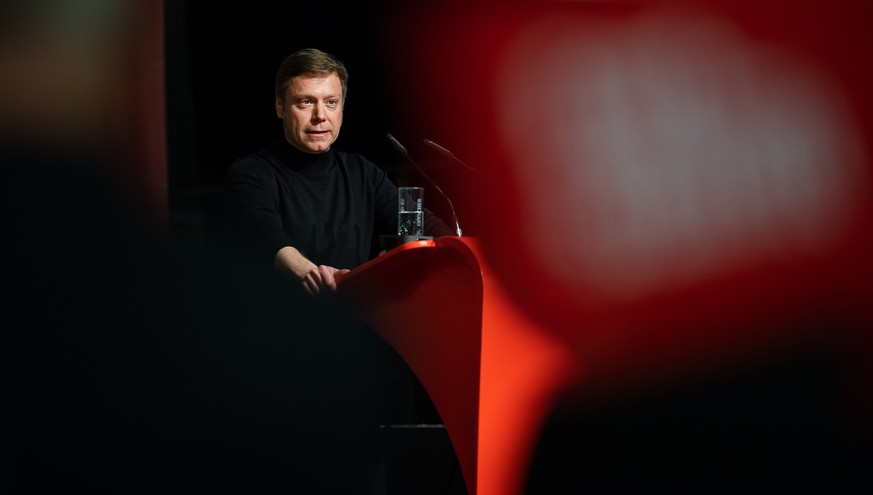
491,372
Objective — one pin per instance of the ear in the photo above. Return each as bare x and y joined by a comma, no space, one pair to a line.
280,108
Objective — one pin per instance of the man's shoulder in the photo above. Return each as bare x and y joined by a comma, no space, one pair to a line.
264,155
261,160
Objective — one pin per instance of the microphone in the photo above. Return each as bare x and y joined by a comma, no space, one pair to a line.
405,153
449,154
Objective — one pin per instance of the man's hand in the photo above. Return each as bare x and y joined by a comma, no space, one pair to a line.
315,279
322,279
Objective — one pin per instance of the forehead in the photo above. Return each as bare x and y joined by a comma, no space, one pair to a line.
314,85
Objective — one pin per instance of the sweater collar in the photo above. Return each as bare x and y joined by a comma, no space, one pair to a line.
299,160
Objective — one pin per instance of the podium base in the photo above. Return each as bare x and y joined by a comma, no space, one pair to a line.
388,242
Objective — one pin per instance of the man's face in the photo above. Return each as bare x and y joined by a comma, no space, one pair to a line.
311,112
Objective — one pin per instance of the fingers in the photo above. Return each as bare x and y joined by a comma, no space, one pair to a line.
321,279
312,282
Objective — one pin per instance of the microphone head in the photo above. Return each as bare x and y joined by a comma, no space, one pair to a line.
439,148
396,144
449,154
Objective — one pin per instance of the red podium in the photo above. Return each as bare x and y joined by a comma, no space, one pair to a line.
490,371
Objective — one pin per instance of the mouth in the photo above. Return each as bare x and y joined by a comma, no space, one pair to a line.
315,133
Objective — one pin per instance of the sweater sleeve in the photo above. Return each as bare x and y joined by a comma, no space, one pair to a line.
254,221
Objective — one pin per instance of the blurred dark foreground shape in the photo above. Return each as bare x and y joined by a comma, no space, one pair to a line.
132,364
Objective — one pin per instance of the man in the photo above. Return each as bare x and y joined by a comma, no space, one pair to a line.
312,209
315,212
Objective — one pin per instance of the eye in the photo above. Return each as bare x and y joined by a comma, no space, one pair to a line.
304,102
332,102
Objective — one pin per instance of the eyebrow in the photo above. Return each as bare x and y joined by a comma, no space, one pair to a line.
313,97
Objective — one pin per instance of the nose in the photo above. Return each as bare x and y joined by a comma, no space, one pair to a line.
318,112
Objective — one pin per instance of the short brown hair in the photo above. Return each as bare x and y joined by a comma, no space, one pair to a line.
310,61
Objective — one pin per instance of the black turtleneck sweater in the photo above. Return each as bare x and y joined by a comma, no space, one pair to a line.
331,206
